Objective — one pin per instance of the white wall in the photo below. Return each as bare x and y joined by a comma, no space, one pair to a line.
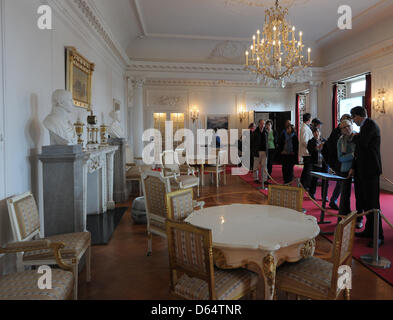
34,68
215,100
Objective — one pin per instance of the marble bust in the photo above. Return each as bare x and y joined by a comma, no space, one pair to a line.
115,129
61,129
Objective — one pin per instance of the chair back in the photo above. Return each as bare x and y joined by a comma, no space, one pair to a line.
190,251
342,250
170,163
285,196
180,204
155,188
24,216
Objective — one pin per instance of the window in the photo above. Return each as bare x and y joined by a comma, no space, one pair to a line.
358,86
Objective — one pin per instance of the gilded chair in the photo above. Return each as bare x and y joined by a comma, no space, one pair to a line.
180,204
155,189
25,223
316,278
24,285
190,254
182,177
219,167
285,196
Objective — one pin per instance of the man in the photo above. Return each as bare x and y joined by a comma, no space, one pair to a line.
316,123
367,168
305,136
330,154
260,152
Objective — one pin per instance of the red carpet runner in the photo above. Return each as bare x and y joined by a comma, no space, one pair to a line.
360,246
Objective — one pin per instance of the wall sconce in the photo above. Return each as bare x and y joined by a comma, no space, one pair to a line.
379,103
242,114
194,113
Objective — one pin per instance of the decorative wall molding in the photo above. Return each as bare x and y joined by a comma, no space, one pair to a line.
169,101
228,50
87,13
260,102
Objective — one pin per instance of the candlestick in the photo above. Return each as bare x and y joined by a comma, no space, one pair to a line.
246,58
309,55
253,40
258,33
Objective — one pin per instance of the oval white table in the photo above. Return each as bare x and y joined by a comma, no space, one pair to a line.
258,237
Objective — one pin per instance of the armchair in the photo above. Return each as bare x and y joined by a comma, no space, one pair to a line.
316,278
287,197
190,253
173,170
24,285
25,223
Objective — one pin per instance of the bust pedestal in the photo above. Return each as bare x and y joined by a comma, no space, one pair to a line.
76,184
120,192
63,189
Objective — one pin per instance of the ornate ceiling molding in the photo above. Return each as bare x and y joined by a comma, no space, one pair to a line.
201,83
266,3
90,14
185,67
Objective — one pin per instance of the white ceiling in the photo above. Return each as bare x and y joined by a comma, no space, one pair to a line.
218,31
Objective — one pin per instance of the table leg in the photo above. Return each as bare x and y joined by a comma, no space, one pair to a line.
324,195
203,175
269,275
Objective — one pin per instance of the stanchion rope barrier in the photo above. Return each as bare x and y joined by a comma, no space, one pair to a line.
330,213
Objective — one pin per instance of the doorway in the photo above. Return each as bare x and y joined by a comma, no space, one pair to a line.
278,119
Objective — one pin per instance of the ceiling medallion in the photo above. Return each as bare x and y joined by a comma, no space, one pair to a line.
275,56
265,3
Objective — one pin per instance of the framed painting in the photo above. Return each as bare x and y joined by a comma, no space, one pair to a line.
79,72
217,121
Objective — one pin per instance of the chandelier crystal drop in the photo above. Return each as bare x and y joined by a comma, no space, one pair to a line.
275,55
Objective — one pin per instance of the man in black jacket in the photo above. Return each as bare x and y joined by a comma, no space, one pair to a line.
367,168
259,139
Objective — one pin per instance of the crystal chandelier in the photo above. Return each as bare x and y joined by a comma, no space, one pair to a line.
275,55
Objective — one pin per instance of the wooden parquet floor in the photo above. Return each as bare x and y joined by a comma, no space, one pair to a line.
122,271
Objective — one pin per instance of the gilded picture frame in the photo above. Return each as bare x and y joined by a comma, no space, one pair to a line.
79,74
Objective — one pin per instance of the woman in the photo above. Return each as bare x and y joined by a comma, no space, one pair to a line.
314,147
272,139
288,148
345,153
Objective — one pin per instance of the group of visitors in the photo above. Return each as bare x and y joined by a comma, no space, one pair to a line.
345,153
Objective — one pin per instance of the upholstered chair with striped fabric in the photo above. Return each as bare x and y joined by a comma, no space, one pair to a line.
155,189
181,176
219,167
190,253
180,204
285,196
24,285
25,223
316,278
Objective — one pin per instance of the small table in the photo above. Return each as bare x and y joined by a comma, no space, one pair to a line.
201,161
325,177
258,237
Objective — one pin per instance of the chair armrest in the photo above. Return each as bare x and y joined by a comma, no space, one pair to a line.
28,246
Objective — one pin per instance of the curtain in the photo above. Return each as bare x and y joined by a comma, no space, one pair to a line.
368,97
297,120
334,106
